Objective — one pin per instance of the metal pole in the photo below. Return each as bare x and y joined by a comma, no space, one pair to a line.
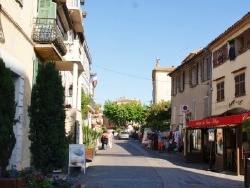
245,171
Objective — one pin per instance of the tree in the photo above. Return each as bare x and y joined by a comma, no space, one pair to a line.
159,116
7,115
47,121
120,114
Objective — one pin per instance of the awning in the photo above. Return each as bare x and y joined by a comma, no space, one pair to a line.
219,121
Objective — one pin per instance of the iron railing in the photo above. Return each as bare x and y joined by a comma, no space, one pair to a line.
45,31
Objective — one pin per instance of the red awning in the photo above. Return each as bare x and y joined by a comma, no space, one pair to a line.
219,121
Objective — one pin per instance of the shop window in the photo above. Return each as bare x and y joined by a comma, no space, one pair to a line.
219,142
220,91
240,85
194,140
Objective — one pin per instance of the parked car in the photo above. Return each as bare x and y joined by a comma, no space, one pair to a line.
123,135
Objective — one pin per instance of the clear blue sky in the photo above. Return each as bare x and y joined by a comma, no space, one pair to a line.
126,36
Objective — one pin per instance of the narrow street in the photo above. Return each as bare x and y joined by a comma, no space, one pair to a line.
128,164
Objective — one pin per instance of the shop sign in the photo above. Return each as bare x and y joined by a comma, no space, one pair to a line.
226,120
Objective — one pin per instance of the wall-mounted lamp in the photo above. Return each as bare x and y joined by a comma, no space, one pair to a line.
70,90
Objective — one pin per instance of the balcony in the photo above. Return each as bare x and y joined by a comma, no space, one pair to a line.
75,12
74,55
48,39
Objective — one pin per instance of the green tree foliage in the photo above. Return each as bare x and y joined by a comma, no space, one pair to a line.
85,101
159,116
7,115
47,121
120,114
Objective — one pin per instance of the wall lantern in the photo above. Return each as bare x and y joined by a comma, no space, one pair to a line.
82,2
70,90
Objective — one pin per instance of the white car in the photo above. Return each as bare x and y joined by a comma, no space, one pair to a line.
123,135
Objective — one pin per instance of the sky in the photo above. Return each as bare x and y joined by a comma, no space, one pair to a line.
125,37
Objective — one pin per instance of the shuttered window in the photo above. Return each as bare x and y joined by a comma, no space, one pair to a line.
240,85
220,91
246,35
205,69
220,56
46,9
193,75
181,81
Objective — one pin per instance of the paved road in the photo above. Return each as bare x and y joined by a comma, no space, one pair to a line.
130,165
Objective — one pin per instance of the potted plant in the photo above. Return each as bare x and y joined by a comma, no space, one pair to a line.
90,137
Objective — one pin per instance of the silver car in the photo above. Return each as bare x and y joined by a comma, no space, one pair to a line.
123,135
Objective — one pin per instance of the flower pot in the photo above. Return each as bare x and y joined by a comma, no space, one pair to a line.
90,153
12,182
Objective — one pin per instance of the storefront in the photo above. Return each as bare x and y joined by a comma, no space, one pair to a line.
219,141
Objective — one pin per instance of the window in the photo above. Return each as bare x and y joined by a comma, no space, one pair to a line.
205,69
220,91
242,42
219,142
240,85
174,86
181,81
220,56
193,75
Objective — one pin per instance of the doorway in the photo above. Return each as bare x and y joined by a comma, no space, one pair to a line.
230,149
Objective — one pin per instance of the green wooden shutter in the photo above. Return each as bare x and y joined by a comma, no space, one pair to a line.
53,10
46,9
43,8
35,70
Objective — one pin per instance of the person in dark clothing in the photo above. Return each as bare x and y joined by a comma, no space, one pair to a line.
104,139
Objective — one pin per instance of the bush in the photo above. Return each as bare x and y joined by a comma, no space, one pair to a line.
7,115
47,121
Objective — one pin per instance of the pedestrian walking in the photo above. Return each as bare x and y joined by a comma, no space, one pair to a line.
104,139
111,139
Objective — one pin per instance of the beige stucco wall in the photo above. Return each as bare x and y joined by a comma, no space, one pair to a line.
187,97
162,86
17,27
226,70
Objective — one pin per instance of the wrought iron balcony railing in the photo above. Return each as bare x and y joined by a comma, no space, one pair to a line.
45,31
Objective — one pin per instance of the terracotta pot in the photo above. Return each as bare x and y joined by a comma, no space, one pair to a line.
90,153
